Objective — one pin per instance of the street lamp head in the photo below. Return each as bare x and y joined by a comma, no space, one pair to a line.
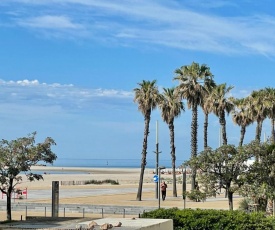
162,167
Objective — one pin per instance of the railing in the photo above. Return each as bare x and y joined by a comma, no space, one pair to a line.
21,211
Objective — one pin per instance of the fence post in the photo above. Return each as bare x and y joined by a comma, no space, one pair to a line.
45,211
124,213
26,211
102,213
83,212
64,212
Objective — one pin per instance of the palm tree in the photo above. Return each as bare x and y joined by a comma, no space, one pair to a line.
258,110
207,108
171,106
270,98
221,105
241,117
191,79
146,96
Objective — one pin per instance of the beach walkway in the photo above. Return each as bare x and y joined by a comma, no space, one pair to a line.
105,198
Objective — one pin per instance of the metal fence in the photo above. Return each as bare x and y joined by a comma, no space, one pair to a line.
21,211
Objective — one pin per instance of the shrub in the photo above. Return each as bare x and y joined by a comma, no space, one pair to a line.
108,181
196,195
213,219
243,204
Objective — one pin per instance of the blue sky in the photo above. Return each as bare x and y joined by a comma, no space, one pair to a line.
69,67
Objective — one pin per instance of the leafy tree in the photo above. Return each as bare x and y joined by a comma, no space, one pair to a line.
223,167
18,156
171,106
260,179
191,87
147,97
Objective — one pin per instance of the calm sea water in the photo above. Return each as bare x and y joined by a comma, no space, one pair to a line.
112,163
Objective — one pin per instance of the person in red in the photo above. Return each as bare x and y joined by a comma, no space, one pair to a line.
163,187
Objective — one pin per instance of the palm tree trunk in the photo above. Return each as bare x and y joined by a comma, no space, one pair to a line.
205,126
272,130
259,130
144,153
223,125
269,207
194,142
243,130
173,157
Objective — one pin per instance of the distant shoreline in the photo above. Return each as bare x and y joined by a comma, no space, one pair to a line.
89,170
110,163
94,170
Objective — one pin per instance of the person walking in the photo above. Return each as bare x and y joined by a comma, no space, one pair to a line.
163,187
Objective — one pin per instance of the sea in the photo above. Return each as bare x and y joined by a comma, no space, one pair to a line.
112,163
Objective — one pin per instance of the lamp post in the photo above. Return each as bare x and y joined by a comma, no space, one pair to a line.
157,160
159,168
184,186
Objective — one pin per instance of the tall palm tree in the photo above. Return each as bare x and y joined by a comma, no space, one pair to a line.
171,106
207,108
258,110
191,87
221,104
270,98
241,117
146,96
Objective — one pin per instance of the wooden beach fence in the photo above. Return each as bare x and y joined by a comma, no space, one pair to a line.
73,182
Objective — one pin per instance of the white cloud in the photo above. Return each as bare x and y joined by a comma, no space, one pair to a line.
173,24
50,22
31,92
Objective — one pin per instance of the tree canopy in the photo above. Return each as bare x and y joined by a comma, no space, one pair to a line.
18,156
223,167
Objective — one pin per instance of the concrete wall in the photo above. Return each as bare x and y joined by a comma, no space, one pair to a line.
134,224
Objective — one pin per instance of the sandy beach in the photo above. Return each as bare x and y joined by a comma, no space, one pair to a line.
123,194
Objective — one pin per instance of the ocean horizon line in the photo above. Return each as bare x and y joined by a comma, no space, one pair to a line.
110,163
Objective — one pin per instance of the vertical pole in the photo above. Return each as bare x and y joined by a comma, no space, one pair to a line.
157,159
159,187
26,211
55,198
45,211
157,169
184,187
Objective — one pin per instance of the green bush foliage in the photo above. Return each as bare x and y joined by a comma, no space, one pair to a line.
187,219
244,204
108,181
196,195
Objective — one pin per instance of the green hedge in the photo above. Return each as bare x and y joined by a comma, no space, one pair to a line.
108,181
213,219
